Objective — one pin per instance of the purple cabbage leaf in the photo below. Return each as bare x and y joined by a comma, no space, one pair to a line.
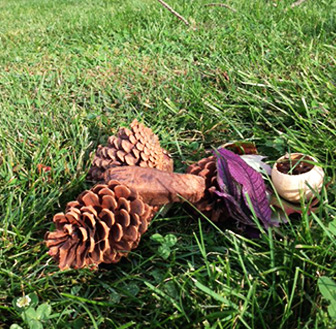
236,179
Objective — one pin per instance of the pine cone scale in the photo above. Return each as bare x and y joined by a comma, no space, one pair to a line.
136,153
90,199
143,227
137,207
136,220
126,145
91,241
89,220
109,202
96,255
117,232
125,219
123,203
66,253
122,191
130,160
131,234
81,254
140,147
132,139
83,233
90,210
107,216
106,191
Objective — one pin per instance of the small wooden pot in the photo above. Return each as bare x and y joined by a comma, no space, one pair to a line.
292,187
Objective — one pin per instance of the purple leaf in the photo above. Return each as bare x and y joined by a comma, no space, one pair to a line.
224,179
233,172
234,208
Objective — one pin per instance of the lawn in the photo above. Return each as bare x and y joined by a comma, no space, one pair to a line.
72,72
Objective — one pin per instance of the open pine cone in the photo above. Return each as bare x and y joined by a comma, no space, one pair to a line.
101,226
137,146
210,204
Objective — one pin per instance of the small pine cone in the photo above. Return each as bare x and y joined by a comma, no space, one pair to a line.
101,226
210,205
137,146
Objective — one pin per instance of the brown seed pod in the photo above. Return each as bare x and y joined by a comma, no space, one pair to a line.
101,226
157,187
137,146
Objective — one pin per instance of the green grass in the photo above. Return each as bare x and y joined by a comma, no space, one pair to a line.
72,72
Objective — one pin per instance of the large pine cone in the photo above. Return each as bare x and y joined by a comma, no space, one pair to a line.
102,225
210,204
137,146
